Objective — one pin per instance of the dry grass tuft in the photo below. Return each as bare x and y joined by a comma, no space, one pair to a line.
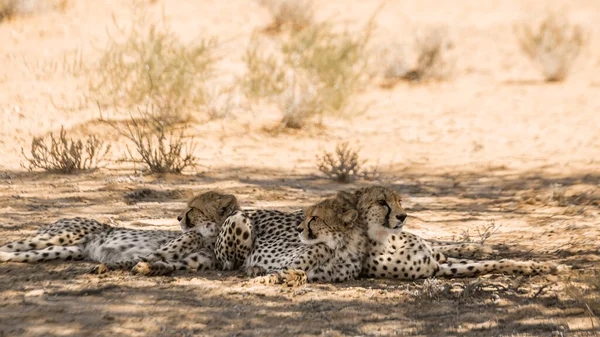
9,9
484,232
266,73
313,71
585,290
553,45
559,195
334,61
344,166
433,61
299,103
64,154
289,14
159,142
147,64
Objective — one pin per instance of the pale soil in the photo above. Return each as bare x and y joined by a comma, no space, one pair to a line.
487,145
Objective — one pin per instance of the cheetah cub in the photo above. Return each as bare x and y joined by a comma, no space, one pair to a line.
330,247
392,253
121,248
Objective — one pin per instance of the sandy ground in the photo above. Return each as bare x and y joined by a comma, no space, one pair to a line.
490,145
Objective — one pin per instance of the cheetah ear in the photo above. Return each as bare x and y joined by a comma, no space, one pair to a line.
348,197
227,204
308,211
359,193
349,218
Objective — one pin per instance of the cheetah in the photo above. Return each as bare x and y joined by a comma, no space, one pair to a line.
328,246
266,230
393,253
147,251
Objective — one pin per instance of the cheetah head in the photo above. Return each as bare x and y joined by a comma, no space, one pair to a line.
380,209
206,213
328,222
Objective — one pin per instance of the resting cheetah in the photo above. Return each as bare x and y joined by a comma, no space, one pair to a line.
267,230
392,253
118,248
329,247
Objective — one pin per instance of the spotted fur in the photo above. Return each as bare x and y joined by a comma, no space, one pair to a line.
122,248
329,248
392,253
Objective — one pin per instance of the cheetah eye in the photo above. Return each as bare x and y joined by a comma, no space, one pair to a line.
382,202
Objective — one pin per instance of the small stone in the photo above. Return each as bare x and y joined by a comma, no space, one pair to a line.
35,293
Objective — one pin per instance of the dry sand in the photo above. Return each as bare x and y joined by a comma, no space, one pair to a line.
489,145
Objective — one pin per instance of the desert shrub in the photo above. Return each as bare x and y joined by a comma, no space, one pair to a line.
70,63
159,142
63,154
148,64
290,14
335,61
265,76
8,9
484,232
11,8
585,291
220,102
299,103
553,45
432,62
327,67
344,165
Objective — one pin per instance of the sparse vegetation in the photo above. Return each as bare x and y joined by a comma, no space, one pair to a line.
484,232
63,154
559,195
159,142
553,45
344,166
335,61
299,103
266,74
585,290
432,62
289,14
147,64
71,63
11,8
220,103
326,64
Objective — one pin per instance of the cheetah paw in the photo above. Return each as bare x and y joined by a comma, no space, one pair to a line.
100,269
293,278
142,268
553,268
255,271
267,280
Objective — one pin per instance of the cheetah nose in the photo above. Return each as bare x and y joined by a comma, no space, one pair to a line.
401,216
179,218
299,229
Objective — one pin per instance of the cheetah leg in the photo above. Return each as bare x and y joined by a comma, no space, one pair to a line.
501,267
234,242
37,242
202,260
463,250
50,253
106,267
64,232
